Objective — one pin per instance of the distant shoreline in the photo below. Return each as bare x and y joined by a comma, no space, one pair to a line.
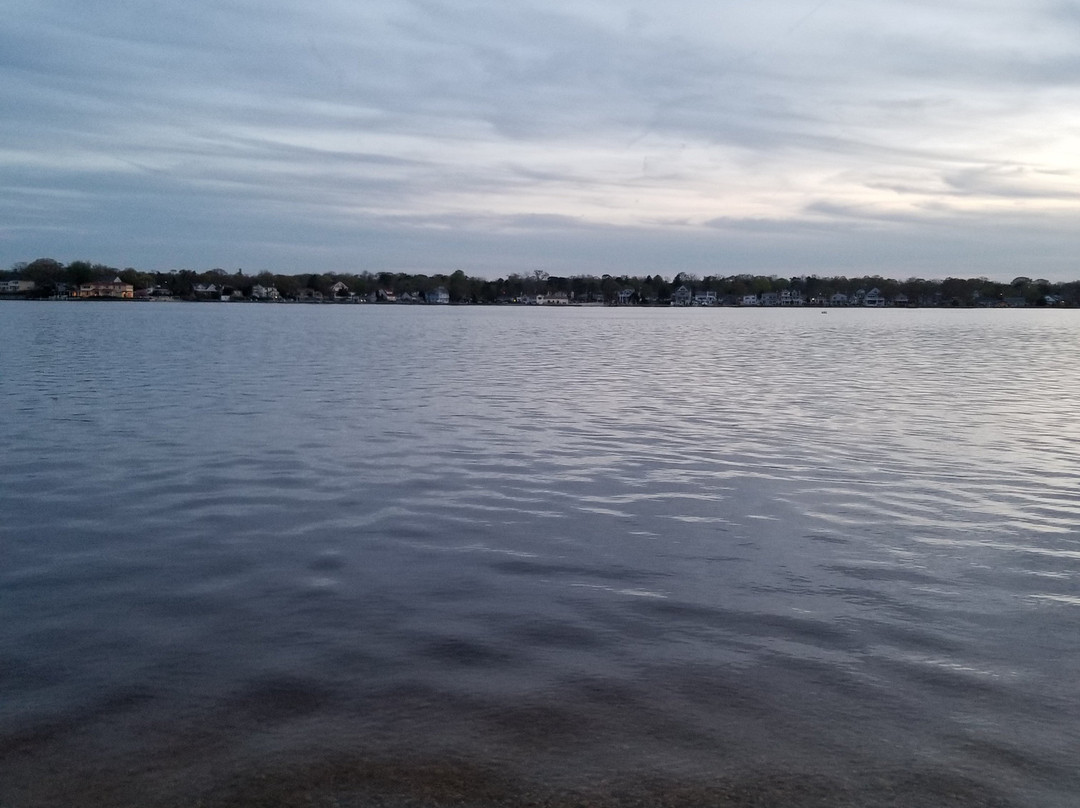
46,278
824,307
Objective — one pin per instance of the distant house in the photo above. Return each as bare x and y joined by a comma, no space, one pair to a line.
626,296
386,296
874,299
705,299
748,300
838,299
339,291
901,300
682,297
438,296
208,290
770,299
554,299
16,287
115,288
791,297
260,292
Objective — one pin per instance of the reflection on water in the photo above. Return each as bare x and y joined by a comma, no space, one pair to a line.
429,555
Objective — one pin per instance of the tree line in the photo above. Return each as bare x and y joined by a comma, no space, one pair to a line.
51,277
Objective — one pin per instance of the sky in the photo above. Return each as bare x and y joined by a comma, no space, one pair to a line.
716,137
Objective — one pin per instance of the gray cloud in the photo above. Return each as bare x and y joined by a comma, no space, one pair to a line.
591,135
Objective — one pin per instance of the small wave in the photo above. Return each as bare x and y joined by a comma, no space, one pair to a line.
1072,600
633,593
1052,552
953,666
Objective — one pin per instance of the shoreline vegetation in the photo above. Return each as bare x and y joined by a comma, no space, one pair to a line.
48,279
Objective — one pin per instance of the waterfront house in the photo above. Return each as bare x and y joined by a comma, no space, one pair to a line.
260,292
705,299
554,299
838,299
115,288
770,299
340,291
16,287
682,297
626,296
438,296
874,298
748,300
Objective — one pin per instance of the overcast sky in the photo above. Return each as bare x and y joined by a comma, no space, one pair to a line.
789,137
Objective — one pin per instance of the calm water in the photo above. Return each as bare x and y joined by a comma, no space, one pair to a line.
363,555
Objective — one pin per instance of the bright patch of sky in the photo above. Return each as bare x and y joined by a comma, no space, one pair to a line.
781,137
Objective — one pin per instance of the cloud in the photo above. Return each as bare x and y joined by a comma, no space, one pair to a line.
425,133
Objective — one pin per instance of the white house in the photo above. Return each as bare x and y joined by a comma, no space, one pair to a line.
682,297
554,299
16,287
874,298
439,296
260,292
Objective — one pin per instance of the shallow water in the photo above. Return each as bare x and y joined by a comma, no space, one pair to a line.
280,554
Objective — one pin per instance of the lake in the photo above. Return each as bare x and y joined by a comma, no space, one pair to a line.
392,555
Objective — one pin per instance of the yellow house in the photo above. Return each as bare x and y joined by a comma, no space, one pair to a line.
115,288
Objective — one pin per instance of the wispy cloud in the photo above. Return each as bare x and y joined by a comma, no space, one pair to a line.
423,134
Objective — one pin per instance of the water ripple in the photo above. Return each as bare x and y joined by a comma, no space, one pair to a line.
580,547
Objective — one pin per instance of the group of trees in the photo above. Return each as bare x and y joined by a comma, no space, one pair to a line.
919,291
51,276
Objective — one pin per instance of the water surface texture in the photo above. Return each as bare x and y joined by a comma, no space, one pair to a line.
359,555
